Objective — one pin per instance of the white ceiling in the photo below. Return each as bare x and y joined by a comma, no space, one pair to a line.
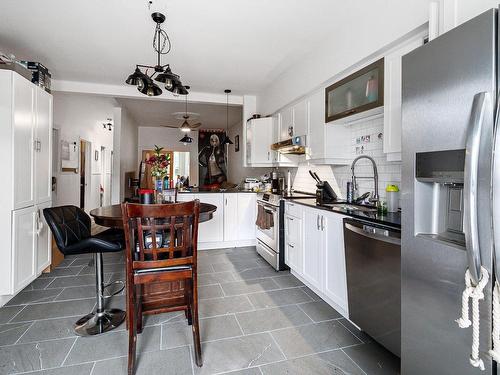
150,112
242,45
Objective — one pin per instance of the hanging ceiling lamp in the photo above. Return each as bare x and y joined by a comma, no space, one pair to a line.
226,140
186,139
185,127
171,81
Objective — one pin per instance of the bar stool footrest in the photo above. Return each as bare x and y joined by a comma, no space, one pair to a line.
96,323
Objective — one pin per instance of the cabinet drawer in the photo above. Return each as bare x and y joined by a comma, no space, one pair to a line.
293,228
293,209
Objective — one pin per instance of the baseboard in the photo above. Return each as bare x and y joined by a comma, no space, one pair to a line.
325,298
224,244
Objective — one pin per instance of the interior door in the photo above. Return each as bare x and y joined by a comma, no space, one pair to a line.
24,109
23,246
43,146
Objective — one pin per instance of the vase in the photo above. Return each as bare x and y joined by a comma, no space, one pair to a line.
158,186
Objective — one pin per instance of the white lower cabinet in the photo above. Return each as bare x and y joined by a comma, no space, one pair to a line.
314,251
247,213
230,217
44,239
334,281
24,240
294,251
314,244
233,224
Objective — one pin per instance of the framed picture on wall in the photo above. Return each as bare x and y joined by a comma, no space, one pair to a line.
237,143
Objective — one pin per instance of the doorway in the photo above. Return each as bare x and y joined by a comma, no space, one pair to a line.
85,160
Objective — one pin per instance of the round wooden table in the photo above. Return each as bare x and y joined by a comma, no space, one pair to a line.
111,216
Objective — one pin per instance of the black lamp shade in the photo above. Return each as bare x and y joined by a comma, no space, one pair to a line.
135,77
226,141
179,89
186,139
168,78
150,88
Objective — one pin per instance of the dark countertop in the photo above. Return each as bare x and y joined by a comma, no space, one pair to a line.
392,219
206,191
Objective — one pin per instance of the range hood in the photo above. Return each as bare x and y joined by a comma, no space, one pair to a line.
295,145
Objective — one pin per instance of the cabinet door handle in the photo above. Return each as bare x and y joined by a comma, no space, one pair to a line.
290,218
322,222
268,155
317,221
290,245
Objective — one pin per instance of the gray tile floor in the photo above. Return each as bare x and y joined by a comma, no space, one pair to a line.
253,321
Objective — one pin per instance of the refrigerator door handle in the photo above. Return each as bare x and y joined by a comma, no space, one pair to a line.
496,194
479,110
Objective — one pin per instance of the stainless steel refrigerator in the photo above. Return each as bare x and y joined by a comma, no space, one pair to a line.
449,110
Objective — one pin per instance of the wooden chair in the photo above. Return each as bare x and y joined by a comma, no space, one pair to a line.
161,246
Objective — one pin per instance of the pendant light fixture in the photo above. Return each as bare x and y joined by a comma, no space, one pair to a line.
226,140
186,139
163,73
185,125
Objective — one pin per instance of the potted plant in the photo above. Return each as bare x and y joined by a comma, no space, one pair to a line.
159,163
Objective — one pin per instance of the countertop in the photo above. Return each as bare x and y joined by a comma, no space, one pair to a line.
207,191
392,219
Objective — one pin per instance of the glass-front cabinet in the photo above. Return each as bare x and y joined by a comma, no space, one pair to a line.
356,93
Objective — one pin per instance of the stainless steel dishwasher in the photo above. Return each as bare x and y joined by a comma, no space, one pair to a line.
373,264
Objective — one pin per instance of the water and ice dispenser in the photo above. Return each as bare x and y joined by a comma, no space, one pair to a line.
439,200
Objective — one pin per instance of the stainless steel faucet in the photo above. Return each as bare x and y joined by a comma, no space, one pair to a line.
375,175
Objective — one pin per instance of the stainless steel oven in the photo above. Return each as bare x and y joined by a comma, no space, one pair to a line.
268,232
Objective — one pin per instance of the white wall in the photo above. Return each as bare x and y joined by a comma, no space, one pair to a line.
80,117
340,51
236,171
169,140
125,152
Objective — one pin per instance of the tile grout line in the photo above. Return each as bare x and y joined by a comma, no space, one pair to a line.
278,346
353,361
16,314
69,351
20,337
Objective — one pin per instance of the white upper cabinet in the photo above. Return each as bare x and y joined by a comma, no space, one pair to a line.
392,97
316,132
300,118
286,124
43,139
259,139
24,145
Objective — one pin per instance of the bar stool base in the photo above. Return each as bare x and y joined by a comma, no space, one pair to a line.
96,323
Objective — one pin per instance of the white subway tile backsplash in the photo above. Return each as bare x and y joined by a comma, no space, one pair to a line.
366,139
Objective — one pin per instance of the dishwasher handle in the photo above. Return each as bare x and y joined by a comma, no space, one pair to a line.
374,233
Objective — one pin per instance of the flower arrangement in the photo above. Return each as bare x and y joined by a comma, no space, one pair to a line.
159,163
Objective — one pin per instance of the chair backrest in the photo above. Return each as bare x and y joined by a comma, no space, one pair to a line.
69,225
161,235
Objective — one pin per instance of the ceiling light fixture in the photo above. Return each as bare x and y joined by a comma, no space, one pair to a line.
226,140
171,81
185,125
186,139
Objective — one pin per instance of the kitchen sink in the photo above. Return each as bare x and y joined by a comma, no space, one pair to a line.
352,207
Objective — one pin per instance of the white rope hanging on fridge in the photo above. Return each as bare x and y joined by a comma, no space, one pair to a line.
495,350
475,293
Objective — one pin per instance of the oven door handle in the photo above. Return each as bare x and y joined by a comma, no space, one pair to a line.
269,210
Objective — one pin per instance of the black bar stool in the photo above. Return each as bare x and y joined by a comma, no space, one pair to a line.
71,228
